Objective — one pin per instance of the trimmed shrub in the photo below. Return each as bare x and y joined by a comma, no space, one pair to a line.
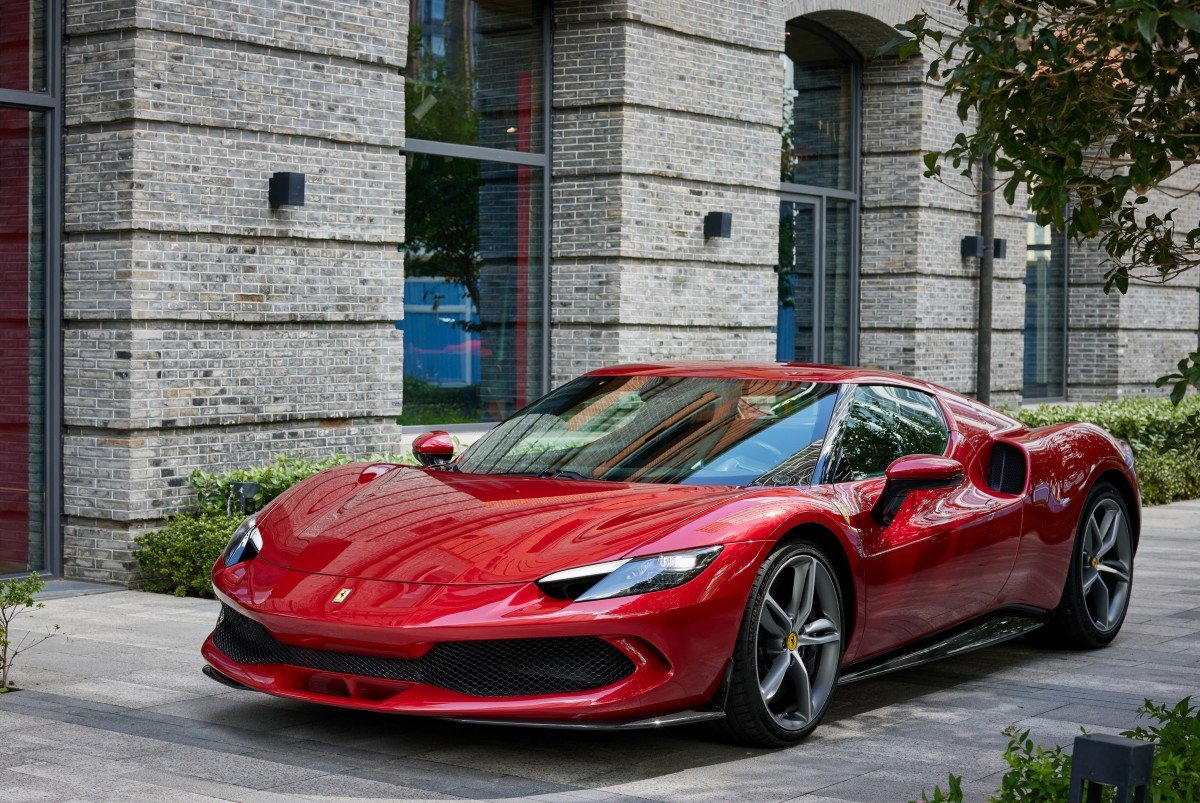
213,490
1165,440
178,559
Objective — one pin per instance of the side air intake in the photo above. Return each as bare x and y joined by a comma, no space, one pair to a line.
1006,474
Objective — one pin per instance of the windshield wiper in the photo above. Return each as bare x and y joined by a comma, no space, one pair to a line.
563,474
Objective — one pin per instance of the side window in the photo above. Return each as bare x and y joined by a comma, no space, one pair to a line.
882,424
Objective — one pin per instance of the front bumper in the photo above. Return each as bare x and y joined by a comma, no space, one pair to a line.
678,641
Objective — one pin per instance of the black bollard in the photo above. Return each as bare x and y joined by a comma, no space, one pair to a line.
1110,761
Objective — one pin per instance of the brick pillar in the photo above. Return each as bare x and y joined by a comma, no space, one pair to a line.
206,330
919,295
664,111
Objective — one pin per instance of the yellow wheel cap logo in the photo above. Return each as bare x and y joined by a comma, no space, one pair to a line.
793,641
341,595
1095,563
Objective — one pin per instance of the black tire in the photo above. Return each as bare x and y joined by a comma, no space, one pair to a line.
1071,625
747,718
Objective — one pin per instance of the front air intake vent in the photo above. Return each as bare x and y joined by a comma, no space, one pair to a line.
504,668
1006,474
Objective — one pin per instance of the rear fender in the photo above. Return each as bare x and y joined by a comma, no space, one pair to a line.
1065,463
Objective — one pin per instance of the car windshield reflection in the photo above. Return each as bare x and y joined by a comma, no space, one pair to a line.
664,429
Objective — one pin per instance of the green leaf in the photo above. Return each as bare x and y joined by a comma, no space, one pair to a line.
1186,18
1147,21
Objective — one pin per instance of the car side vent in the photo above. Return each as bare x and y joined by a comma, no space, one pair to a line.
1006,473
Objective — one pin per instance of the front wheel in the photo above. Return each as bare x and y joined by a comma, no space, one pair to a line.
1096,595
789,650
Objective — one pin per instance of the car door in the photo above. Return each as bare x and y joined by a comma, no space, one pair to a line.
948,552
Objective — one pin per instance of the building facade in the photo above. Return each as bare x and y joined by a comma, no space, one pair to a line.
499,194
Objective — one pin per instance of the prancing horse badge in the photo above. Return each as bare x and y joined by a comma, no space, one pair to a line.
341,595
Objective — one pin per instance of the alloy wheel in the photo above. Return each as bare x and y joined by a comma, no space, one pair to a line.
799,641
1107,564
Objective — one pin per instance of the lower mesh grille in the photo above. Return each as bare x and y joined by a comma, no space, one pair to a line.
501,668
1006,473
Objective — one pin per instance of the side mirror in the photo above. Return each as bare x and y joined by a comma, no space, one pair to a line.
433,448
914,473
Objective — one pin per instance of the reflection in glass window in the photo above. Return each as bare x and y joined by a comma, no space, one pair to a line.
22,339
882,424
473,289
1045,313
682,430
818,110
475,73
798,242
23,45
838,288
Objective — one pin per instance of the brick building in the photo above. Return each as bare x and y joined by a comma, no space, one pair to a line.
499,195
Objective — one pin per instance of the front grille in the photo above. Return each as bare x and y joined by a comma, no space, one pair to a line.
1006,473
500,668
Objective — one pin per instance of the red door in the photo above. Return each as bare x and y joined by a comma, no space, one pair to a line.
942,560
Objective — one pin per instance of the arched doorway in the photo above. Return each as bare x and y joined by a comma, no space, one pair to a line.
819,197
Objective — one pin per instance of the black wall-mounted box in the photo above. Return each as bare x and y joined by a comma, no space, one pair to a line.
287,189
718,224
972,247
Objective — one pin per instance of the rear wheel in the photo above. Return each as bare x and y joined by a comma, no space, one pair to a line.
1096,595
789,650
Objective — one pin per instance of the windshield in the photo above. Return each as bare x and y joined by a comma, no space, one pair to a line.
664,429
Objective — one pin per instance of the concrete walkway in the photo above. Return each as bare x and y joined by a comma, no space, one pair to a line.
116,709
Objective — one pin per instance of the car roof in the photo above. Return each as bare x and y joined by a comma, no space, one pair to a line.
793,371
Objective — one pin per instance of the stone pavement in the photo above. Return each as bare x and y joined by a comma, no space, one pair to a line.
116,709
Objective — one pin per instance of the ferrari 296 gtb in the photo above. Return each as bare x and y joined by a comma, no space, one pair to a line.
670,543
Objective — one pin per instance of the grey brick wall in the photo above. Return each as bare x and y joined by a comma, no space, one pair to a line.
204,328
665,111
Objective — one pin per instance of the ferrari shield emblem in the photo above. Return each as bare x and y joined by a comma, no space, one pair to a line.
341,595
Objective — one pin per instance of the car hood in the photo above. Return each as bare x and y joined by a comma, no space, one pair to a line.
416,525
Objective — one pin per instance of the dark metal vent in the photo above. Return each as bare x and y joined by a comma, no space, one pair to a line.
1006,473
501,668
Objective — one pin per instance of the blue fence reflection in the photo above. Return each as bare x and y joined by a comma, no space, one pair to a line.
438,347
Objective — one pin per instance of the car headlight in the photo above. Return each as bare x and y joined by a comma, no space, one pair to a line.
245,543
621,578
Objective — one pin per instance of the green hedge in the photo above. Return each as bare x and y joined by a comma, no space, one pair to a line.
178,558
1165,439
213,489
1036,775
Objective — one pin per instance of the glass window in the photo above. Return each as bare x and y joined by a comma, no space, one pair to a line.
1045,313
22,349
882,424
818,232
682,430
23,45
475,73
798,242
819,111
473,290
838,289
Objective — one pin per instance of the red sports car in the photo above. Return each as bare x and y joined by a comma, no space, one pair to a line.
658,544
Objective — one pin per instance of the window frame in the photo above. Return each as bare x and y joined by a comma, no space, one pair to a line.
821,196
50,105
841,413
1026,397
544,160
